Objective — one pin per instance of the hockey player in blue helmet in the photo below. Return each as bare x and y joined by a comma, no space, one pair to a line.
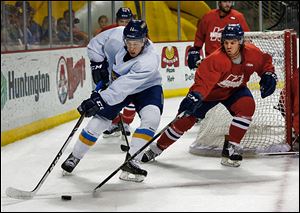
233,31
124,15
134,78
135,37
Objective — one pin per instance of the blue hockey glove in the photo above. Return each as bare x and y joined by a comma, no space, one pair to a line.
267,84
193,58
91,106
190,103
100,72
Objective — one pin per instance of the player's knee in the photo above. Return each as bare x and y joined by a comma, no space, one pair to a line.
150,117
184,124
97,125
244,107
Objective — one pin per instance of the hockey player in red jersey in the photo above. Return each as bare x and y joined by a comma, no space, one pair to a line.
222,78
209,30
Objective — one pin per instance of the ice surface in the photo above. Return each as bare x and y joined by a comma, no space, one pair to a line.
176,181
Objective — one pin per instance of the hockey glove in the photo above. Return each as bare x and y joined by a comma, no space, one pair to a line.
190,103
193,58
267,84
91,106
100,72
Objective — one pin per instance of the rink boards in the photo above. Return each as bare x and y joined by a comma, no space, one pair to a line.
42,89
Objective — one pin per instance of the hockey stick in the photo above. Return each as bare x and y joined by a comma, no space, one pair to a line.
20,194
278,153
98,86
139,151
124,148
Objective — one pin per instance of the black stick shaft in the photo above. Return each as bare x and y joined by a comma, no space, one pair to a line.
123,129
57,157
138,152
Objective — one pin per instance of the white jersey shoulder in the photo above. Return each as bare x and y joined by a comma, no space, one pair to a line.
106,44
133,76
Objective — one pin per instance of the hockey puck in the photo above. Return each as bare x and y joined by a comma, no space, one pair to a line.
66,197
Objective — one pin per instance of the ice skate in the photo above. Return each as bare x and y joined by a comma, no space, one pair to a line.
151,153
132,172
113,131
231,155
69,164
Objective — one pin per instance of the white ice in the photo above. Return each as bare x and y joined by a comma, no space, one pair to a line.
176,181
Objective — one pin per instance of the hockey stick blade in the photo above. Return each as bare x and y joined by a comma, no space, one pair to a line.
124,148
278,153
19,194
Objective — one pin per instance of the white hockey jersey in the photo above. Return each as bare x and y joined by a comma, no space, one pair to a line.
106,45
132,76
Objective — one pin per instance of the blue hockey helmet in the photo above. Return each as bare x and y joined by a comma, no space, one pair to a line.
233,31
135,29
124,13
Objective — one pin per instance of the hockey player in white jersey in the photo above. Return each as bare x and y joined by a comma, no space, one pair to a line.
135,78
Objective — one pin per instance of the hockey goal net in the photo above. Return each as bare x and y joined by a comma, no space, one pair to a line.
269,131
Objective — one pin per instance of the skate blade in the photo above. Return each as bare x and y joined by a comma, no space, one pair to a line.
116,134
65,173
131,177
149,161
230,163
